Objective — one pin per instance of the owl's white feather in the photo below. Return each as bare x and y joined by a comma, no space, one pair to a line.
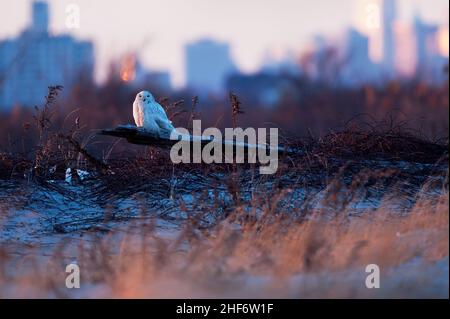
137,114
150,115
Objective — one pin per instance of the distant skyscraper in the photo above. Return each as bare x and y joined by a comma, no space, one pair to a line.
35,60
430,61
40,17
425,34
208,63
389,16
358,68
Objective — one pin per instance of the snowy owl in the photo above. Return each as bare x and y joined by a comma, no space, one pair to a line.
149,114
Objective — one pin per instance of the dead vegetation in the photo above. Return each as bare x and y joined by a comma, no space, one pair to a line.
258,250
237,234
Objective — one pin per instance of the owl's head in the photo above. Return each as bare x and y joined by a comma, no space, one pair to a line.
145,97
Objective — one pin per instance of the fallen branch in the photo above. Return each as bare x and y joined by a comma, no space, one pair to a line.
140,136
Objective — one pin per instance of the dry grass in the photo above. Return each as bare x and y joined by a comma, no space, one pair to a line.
265,242
261,252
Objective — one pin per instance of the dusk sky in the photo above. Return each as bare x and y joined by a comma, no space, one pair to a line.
158,29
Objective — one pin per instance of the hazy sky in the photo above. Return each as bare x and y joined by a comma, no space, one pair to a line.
158,29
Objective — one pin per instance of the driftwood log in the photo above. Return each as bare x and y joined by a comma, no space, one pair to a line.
139,136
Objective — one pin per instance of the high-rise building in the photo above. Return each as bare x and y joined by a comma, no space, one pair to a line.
39,17
430,60
388,18
35,60
357,68
207,64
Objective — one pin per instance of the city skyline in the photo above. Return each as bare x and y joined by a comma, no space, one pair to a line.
35,59
163,47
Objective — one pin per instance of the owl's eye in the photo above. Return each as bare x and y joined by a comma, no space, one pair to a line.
140,95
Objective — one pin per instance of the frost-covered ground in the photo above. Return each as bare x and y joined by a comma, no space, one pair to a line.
38,219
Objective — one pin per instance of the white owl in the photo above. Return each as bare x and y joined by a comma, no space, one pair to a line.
150,115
